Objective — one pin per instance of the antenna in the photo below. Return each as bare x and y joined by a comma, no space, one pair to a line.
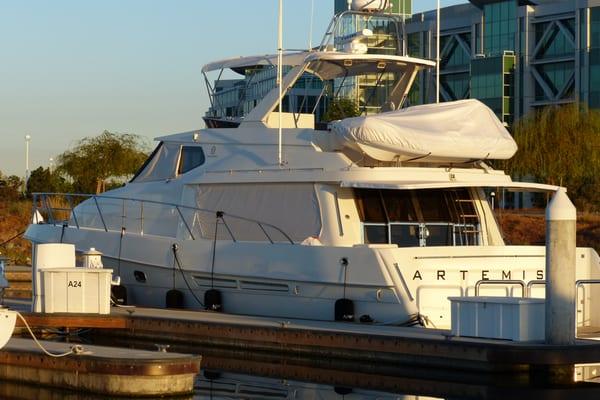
280,75
437,55
312,14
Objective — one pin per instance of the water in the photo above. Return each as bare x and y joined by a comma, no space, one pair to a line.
231,374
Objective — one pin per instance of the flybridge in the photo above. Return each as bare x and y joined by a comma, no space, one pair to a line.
316,79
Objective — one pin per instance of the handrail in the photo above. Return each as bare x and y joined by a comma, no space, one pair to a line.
41,198
332,29
578,283
581,282
533,283
499,282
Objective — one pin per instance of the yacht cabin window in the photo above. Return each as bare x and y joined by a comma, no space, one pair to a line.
292,207
411,218
169,160
191,157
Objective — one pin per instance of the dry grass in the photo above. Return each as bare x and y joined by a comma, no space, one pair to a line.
529,227
14,218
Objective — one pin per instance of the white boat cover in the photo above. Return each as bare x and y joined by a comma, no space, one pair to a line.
456,131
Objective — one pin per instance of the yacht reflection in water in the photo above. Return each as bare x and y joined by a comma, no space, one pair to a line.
216,385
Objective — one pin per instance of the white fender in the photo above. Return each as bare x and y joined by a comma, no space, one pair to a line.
8,319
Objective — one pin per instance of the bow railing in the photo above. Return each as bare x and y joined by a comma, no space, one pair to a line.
149,217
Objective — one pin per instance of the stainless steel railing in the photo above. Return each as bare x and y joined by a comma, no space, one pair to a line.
509,282
113,213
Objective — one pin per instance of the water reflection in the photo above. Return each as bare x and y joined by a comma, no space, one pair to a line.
234,374
215,385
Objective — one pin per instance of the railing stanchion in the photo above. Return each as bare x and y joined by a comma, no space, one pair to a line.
100,213
185,223
72,210
123,215
265,232
141,217
48,209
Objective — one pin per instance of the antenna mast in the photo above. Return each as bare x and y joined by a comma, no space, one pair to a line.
280,75
437,57
312,14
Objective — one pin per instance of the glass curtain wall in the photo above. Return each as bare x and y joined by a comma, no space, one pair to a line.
500,27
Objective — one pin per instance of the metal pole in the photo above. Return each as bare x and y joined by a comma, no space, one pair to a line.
27,140
404,36
280,77
437,58
561,218
312,13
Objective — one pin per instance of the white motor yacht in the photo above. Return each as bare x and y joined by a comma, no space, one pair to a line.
374,219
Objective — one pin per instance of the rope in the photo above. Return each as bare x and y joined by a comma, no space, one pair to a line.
62,232
120,247
214,251
175,247
77,349
12,238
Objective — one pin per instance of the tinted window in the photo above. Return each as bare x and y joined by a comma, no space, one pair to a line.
191,157
399,205
370,207
376,234
426,217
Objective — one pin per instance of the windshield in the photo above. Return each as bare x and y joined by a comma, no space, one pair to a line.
428,217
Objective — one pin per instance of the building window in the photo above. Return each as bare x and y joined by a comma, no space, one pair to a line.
594,78
500,26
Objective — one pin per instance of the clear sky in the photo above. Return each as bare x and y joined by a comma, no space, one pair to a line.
71,68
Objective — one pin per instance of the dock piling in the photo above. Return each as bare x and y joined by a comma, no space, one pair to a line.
561,218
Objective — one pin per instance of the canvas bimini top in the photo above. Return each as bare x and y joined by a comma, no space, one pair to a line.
454,132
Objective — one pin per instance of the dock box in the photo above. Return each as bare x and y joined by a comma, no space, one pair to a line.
510,318
76,290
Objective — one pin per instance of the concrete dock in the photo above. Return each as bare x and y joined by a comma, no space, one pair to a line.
101,370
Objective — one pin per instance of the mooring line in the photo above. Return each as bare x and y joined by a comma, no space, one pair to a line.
75,349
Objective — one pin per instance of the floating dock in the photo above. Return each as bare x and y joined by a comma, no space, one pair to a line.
102,370
366,343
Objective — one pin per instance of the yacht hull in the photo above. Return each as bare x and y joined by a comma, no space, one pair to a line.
389,284
275,280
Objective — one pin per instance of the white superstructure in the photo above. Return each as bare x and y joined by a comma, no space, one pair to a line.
213,209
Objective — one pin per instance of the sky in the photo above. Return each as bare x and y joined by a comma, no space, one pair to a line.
71,69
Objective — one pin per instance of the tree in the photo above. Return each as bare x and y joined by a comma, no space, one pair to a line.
93,161
10,187
560,145
339,109
44,180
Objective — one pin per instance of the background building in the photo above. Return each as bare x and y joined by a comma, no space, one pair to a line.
514,55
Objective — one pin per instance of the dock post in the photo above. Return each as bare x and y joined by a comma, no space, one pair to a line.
561,218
